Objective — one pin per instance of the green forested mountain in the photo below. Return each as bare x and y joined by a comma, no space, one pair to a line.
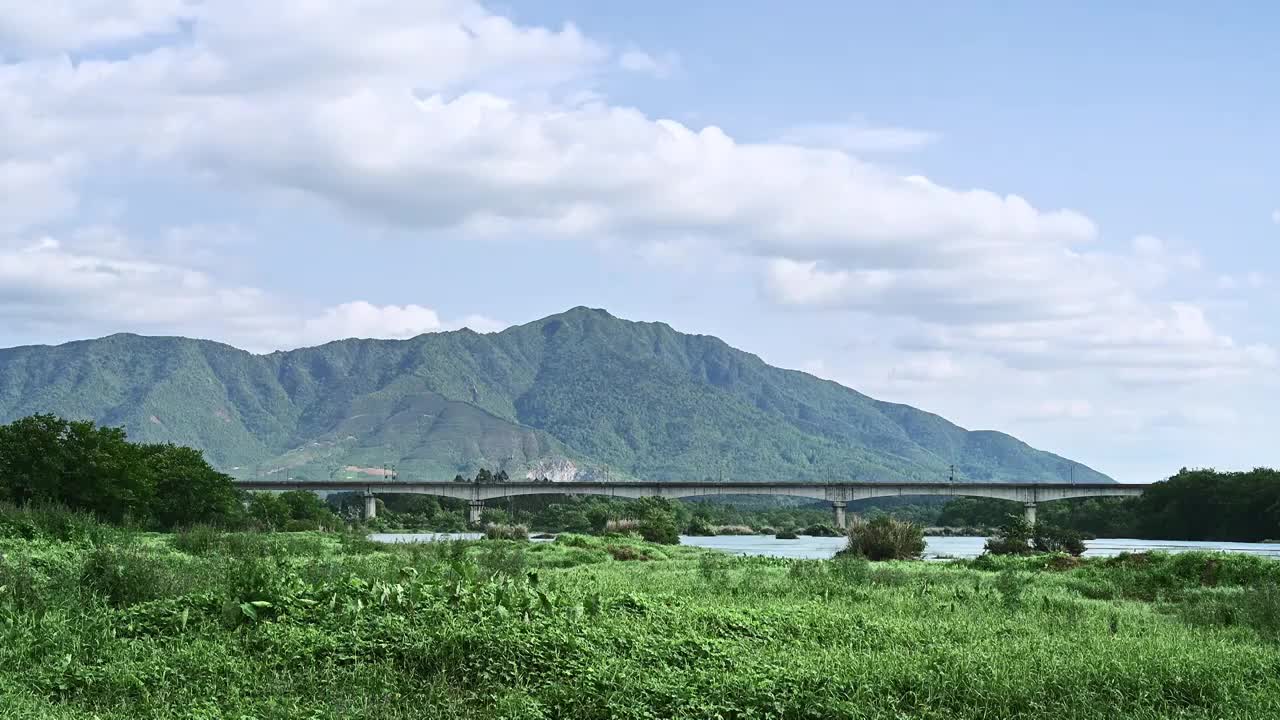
580,394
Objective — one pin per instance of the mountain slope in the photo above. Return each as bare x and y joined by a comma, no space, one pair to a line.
579,394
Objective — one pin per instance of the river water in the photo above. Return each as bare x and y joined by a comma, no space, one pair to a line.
935,547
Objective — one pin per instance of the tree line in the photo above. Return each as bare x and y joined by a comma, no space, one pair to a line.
47,460
1201,504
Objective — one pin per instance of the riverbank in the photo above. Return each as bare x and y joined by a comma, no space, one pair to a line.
323,625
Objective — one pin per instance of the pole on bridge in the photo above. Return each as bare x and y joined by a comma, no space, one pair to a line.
370,505
837,508
474,508
1030,509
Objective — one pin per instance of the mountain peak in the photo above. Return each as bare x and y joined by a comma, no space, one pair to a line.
581,391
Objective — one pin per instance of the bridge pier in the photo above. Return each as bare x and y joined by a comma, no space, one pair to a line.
837,508
474,508
370,505
1030,510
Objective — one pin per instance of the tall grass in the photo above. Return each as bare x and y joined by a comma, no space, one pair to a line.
251,625
494,531
885,538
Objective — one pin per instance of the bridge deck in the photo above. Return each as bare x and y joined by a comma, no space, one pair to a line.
835,492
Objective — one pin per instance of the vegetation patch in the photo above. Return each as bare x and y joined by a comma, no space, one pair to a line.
885,538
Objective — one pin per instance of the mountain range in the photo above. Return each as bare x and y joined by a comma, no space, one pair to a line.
578,395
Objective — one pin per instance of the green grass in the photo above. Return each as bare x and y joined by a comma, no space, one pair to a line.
324,625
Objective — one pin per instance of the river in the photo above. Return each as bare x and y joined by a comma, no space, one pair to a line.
935,547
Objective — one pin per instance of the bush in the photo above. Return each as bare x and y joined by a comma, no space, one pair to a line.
302,526
627,552
821,530
659,529
1050,539
247,544
198,540
125,576
357,544
1018,537
17,524
885,538
698,527
495,531
786,535
578,541
740,530
1011,583
1011,538
52,522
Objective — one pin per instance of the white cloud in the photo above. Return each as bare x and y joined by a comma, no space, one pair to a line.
929,367
1055,410
446,115
660,66
74,25
35,191
481,324
858,136
361,319
97,280
1251,280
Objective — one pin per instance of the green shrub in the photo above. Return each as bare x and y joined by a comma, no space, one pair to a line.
885,538
248,544
786,535
17,524
1012,538
124,576
578,540
699,527
1011,583
627,552
302,526
199,540
53,522
503,559
659,529
353,543
821,530
1051,539
21,586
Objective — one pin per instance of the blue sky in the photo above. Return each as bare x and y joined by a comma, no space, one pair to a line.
1060,221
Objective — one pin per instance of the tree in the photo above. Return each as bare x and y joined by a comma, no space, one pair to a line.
501,476
657,520
269,510
459,479
44,458
484,476
304,505
187,489
1012,538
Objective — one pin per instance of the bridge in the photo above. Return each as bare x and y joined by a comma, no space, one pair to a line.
838,494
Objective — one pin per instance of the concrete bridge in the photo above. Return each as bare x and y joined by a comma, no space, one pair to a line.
838,494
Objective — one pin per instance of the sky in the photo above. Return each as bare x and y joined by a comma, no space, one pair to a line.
1061,221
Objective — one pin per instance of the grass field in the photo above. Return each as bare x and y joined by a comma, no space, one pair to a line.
103,623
